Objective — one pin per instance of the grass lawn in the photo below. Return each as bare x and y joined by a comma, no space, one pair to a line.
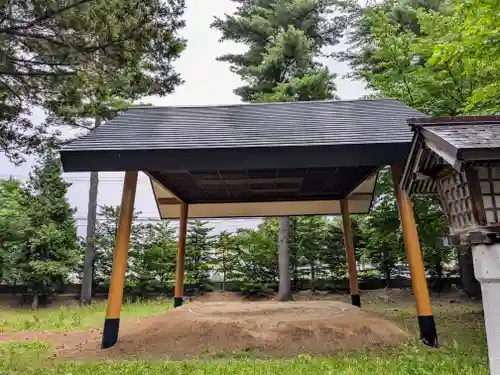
73,318
463,349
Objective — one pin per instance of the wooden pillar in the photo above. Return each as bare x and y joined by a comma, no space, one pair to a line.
350,254
115,295
426,322
179,274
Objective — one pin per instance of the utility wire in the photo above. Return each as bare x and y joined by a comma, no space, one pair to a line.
74,179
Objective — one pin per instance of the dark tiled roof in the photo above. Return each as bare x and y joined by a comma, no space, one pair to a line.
253,125
452,141
468,135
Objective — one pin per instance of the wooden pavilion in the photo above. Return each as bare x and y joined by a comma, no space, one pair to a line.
255,160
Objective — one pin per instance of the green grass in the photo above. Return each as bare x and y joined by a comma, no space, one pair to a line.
73,318
463,352
410,360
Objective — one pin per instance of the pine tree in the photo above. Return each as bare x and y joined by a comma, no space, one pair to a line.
257,266
382,240
284,38
311,245
226,257
105,239
199,244
48,249
13,222
334,254
81,58
155,256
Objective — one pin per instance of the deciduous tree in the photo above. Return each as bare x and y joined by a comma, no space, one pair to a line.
432,56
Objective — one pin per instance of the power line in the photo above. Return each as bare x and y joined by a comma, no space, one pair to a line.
113,219
76,177
155,217
145,219
73,180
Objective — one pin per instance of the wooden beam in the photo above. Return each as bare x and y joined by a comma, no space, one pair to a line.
179,274
239,181
115,295
168,201
426,322
350,254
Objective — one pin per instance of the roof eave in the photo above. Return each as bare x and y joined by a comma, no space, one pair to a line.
452,120
409,166
479,154
376,155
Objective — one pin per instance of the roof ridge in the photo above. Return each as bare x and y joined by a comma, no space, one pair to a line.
244,104
453,120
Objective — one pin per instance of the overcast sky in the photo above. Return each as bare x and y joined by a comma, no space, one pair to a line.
207,81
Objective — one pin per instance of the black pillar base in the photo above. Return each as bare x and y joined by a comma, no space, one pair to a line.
428,333
356,300
178,301
110,332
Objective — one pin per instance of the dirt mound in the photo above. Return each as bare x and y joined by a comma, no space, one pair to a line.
273,329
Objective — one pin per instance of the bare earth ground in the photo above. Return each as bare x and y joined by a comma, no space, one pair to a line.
225,324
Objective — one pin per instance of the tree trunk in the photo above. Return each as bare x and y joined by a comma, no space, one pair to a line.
439,272
34,304
296,279
470,284
386,267
334,279
313,277
285,287
387,277
88,264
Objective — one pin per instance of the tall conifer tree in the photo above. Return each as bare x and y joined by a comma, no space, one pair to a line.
285,38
